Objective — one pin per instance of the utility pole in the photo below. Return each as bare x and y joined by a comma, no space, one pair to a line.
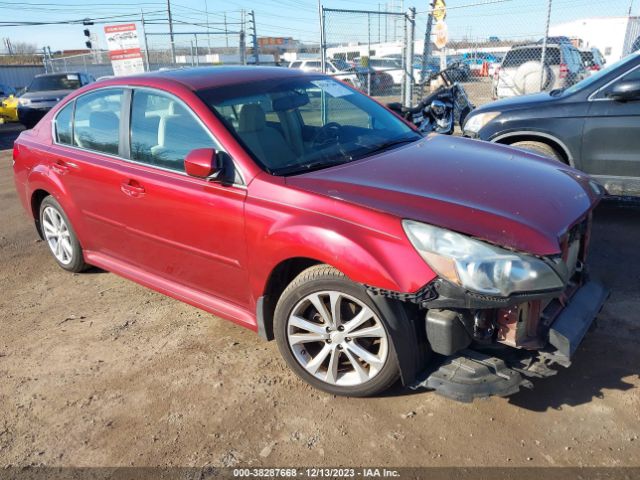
206,12
630,7
426,51
226,31
254,37
243,45
173,45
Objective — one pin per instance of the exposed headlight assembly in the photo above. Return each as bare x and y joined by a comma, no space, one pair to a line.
24,101
478,266
476,122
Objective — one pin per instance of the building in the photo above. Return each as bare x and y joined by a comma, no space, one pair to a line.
613,36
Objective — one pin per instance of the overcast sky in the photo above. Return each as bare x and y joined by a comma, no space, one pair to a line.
476,19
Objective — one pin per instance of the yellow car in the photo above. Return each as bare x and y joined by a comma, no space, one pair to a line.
9,109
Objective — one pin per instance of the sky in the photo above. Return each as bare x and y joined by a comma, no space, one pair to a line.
473,19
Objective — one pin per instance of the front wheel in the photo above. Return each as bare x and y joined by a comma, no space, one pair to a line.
332,336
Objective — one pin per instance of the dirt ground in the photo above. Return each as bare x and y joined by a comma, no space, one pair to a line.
98,371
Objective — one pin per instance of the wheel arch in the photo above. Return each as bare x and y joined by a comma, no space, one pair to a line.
532,136
281,276
37,196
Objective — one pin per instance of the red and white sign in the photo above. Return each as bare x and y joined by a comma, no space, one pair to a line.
124,49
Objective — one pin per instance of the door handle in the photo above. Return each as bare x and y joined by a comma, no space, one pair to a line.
61,167
132,188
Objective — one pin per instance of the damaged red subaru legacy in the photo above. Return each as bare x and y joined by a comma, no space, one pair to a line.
298,207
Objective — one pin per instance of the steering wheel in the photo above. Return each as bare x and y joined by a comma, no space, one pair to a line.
328,134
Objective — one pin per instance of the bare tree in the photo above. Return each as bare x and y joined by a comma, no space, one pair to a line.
23,48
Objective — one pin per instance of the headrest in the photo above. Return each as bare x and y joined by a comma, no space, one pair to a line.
252,118
104,121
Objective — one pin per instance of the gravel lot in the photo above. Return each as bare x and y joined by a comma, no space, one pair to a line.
98,371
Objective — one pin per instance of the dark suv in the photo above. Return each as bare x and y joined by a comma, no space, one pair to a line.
593,125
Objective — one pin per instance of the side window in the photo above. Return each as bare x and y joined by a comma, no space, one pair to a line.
163,131
63,126
96,123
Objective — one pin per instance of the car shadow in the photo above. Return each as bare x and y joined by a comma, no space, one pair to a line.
608,358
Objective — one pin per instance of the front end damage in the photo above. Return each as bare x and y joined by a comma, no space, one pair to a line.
494,345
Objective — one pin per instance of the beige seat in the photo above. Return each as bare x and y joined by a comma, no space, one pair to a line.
265,142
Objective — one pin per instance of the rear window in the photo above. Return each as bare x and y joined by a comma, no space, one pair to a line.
587,59
517,57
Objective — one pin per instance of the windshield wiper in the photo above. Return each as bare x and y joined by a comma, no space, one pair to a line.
311,166
386,145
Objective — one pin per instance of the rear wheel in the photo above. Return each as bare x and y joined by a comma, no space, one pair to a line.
331,335
539,148
60,236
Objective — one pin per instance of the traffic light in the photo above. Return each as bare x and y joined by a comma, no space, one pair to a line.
87,34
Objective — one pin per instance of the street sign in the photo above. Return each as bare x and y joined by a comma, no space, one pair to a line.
439,10
124,49
442,34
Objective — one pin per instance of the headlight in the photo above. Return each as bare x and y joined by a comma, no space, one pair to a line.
478,266
24,101
476,122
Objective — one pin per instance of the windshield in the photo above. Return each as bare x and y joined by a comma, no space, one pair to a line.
587,82
302,124
67,81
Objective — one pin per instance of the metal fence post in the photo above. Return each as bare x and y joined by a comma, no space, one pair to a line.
323,39
195,36
368,54
543,60
144,36
410,31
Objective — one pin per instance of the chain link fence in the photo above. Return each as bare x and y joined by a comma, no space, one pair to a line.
495,48
371,50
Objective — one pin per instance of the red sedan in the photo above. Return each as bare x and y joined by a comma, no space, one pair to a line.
300,208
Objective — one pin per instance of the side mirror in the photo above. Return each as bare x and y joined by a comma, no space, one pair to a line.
625,91
202,163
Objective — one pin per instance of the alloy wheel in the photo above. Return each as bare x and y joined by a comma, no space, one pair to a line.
337,338
57,234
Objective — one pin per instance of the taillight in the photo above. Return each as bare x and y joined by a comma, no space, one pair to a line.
564,70
594,68
15,152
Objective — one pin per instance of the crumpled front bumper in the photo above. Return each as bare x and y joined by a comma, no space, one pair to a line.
571,325
477,372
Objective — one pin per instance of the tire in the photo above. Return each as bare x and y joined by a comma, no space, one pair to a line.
539,148
311,346
55,224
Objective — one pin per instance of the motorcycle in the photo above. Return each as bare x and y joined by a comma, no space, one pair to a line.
442,109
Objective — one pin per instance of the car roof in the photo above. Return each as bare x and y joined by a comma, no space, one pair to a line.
197,78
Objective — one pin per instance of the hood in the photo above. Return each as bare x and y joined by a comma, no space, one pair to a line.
48,95
498,194
515,103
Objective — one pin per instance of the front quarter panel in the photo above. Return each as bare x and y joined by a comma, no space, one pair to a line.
561,122
367,246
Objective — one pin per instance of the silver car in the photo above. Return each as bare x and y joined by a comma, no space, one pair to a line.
522,72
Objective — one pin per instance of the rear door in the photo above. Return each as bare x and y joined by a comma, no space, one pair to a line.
188,230
84,155
611,138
